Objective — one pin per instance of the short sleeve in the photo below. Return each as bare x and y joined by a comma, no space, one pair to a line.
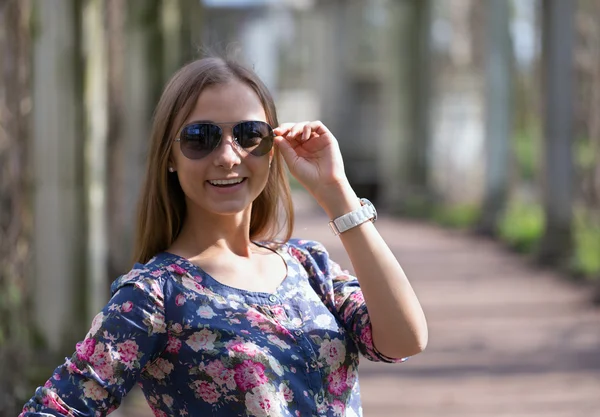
341,293
126,335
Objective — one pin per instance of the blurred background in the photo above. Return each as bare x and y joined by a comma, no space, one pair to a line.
478,115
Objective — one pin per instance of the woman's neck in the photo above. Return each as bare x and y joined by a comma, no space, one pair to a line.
214,233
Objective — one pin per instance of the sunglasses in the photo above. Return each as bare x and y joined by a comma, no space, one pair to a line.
199,139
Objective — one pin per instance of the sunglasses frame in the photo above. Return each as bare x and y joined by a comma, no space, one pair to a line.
220,126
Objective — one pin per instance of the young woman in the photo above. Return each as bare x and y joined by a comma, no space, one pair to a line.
218,317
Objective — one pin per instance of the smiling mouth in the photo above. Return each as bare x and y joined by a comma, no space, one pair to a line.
226,183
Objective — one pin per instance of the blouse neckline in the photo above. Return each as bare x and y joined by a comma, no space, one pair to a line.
260,297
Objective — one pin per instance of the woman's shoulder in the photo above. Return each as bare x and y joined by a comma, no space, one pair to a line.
307,245
306,250
149,276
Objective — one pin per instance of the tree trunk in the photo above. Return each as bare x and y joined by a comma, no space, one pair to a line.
137,48
96,121
557,44
498,113
15,205
60,238
420,84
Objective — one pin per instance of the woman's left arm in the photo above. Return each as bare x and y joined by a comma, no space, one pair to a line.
397,319
398,323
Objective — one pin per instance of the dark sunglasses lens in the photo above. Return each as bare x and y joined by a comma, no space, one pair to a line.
199,139
255,137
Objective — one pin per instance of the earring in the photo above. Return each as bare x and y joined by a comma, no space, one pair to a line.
270,161
171,169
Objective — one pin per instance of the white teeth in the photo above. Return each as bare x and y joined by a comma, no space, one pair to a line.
226,182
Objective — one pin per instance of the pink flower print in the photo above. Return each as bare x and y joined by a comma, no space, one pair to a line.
248,348
180,300
263,401
131,275
157,322
286,393
157,290
177,269
173,345
339,408
96,324
177,328
366,337
205,312
54,402
203,339
85,349
160,369
102,362
296,253
207,391
337,381
92,390
254,317
279,313
128,351
249,374
333,352
72,368
215,369
221,375
278,342
283,330
168,400
358,297
126,307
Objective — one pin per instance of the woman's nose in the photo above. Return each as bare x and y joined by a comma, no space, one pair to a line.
227,153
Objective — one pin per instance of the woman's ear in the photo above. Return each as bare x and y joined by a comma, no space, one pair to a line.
171,166
271,156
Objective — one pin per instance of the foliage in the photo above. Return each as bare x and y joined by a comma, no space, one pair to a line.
522,226
586,256
456,216
526,146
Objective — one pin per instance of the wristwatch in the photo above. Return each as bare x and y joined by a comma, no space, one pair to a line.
359,216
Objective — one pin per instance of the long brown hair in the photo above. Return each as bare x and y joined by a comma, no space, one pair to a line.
161,207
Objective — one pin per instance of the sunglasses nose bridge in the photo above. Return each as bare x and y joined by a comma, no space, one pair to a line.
227,135
228,151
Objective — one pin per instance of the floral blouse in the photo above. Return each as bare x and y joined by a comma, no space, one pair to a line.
200,348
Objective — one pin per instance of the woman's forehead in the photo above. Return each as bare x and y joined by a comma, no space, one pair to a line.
228,102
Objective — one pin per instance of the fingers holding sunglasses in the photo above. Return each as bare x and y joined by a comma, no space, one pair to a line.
312,155
298,134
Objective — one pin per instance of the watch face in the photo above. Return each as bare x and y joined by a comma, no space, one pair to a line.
366,202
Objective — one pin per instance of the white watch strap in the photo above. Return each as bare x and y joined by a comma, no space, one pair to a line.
349,220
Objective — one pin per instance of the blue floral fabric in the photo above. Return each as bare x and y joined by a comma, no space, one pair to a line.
200,348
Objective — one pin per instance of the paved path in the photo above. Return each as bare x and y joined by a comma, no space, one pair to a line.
506,339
